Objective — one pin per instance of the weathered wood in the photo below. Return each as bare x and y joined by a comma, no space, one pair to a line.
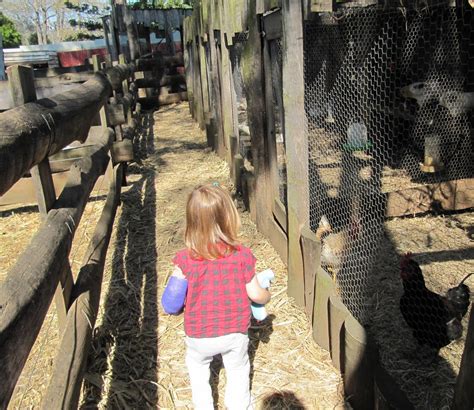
463,392
69,365
279,212
215,96
296,142
23,192
21,84
273,175
102,112
252,66
115,114
23,308
22,89
122,151
324,290
447,196
175,80
272,25
32,132
357,365
118,73
311,249
43,180
337,313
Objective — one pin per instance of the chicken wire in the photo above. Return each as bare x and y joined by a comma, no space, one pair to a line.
388,98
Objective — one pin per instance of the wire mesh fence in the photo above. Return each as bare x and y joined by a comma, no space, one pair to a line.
388,100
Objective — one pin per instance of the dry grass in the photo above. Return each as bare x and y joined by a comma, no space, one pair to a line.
138,356
444,247
17,226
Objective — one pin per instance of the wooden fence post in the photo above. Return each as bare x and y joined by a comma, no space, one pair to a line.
296,143
21,83
102,113
463,392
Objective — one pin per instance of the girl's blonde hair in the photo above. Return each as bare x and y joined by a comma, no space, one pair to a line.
212,223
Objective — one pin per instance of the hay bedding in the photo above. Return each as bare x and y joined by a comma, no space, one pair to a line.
138,354
444,247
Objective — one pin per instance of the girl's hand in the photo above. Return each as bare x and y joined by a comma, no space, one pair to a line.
178,272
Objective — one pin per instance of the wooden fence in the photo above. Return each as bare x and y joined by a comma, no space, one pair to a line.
255,48
102,114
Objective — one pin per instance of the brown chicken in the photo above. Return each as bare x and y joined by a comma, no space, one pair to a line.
434,319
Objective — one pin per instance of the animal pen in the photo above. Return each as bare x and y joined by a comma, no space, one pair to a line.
348,129
71,146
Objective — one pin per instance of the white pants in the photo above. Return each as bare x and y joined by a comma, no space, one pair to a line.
234,351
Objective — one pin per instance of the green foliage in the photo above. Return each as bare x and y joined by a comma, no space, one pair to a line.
11,37
81,35
88,17
162,4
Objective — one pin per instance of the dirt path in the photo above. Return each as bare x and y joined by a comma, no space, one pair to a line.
138,354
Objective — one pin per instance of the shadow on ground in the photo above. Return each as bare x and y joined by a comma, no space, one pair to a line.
122,370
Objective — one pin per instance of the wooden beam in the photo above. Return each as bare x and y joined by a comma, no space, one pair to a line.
102,112
272,158
23,308
69,365
296,143
252,73
21,84
311,249
34,131
443,196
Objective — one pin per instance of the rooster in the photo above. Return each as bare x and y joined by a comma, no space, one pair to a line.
434,319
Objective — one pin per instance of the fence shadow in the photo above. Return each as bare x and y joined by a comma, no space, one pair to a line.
123,363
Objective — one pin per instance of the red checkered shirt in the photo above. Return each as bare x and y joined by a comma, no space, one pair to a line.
217,303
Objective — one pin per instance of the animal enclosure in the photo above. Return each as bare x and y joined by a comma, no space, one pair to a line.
350,136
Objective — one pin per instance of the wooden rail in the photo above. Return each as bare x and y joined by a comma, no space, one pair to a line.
26,293
29,134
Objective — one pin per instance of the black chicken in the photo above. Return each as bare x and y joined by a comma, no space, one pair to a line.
435,319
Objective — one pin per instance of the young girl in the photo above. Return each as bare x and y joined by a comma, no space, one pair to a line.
221,283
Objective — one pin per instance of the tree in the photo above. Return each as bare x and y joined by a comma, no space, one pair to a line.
11,37
50,19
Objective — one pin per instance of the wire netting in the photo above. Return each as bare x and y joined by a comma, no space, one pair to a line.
388,100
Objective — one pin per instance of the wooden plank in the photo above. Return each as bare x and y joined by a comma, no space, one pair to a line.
296,143
44,186
272,25
324,290
252,73
311,249
357,365
102,112
23,308
272,159
21,84
442,196
63,392
463,392
279,212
